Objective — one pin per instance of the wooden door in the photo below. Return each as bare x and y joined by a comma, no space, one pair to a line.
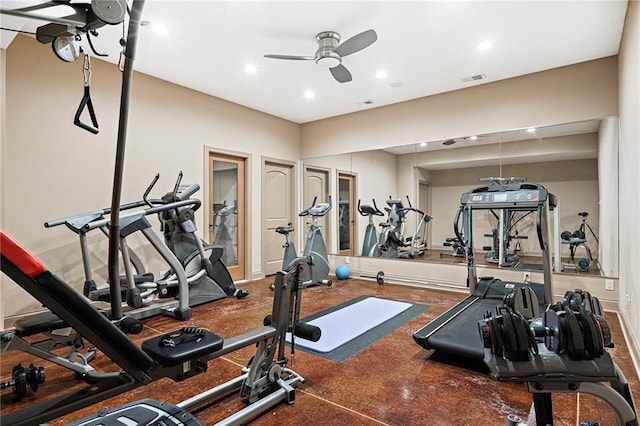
277,205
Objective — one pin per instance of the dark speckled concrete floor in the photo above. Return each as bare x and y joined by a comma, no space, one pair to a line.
392,382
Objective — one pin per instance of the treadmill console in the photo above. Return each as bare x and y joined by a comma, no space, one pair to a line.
503,196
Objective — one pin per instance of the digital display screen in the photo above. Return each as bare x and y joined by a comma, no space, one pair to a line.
500,197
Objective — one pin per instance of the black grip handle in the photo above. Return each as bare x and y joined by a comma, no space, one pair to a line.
85,102
307,331
301,329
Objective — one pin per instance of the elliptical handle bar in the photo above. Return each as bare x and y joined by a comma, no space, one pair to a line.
177,185
456,226
188,192
149,188
128,206
409,201
193,203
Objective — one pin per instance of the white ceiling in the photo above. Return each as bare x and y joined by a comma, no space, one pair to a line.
538,134
425,47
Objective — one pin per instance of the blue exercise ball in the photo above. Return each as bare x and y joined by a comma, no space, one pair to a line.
342,272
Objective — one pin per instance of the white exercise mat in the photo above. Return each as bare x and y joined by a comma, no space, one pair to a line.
343,325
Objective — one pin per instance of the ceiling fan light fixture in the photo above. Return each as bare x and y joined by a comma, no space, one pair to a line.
330,60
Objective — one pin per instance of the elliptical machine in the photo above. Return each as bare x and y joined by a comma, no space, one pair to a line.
370,241
180,234
315,251
392,243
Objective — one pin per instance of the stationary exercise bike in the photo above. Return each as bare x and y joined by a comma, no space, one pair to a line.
576,240
315,251
370,241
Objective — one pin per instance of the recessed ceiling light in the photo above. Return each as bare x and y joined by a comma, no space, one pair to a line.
159,28
381,75
251,69
473,138
485,45
531,130
423,144
309,94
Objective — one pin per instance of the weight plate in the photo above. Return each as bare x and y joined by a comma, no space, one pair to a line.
521,328
510,343
603,325
592,344
574,337
596,307
496,346
553,338
380,277
110,12
19,384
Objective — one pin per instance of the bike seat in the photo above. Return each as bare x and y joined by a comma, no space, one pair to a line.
284,230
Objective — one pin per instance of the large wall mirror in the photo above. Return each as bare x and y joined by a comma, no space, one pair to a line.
574,161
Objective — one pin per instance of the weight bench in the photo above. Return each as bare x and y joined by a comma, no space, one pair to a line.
177,355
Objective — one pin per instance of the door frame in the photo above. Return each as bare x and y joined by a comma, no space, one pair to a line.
263,202
207,200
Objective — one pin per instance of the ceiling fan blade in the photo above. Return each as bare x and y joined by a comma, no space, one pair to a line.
341,74
356,43
292,57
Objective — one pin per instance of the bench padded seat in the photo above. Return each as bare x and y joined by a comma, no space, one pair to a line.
186,350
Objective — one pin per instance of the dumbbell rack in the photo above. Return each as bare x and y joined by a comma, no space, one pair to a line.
548,372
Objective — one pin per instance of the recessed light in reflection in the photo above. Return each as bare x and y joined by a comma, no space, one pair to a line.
309,94
485,45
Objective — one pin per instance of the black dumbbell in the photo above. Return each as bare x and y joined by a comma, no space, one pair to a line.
23,377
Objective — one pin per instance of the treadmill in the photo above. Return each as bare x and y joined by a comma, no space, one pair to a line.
455,332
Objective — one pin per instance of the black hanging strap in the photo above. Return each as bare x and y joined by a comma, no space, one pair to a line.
85,102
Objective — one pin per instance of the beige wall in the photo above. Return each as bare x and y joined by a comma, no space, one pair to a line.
629,174
53,169
574,93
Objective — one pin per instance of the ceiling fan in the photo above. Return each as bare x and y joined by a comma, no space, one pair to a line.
330,52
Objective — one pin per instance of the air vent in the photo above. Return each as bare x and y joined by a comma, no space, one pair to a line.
476,77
